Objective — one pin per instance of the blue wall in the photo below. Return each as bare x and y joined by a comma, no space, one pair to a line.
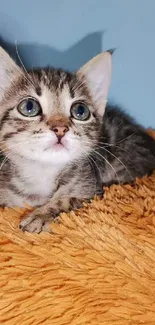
66,33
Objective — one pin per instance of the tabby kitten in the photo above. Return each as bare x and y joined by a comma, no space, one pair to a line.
60,143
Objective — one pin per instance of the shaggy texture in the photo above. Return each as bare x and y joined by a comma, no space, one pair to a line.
97,266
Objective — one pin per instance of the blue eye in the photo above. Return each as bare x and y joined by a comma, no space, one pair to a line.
79,111
29,107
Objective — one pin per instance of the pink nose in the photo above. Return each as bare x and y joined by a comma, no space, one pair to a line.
60,131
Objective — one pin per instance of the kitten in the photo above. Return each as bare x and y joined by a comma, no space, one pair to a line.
59,141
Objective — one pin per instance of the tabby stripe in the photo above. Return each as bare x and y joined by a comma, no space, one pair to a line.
9,135
5,117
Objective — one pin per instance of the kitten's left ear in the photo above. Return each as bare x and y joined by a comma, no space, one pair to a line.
9,71
97,73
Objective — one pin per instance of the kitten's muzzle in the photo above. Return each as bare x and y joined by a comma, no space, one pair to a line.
60,131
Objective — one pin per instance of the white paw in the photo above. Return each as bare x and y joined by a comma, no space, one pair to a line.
33,223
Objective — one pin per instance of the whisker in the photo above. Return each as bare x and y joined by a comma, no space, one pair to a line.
130,135
2,148
11,152
95,180
5,160
103,158
97,146
113,145
119,161
109,165
31,83
91,161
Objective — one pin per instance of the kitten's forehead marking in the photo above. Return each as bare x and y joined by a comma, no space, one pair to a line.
66,100
52,102
47,100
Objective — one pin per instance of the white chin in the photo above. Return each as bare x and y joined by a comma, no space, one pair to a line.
54,157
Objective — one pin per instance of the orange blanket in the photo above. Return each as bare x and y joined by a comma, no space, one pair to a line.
98,266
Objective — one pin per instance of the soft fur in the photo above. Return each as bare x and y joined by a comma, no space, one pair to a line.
98,266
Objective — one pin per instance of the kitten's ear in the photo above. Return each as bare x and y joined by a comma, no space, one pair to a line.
97,73
8,71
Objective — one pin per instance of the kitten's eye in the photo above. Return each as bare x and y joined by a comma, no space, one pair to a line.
29,107
80,112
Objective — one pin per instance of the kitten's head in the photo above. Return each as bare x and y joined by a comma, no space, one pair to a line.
50,115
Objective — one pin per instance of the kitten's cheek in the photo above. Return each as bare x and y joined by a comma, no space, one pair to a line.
68,141
49,143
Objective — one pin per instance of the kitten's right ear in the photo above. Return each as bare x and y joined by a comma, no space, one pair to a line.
8,71
97,73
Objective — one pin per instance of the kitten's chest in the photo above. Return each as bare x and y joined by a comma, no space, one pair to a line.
42,179
37,182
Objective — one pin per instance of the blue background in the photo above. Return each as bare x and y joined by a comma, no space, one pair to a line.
67,33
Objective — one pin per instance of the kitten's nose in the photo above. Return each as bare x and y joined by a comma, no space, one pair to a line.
60,131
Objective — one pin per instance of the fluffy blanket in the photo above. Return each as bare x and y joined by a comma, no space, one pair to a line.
96,267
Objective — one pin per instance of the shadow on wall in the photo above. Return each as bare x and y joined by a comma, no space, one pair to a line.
36,55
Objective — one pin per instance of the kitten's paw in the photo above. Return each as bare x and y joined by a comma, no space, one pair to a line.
33,223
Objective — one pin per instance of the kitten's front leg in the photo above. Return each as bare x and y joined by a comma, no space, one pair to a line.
70,194
38,220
